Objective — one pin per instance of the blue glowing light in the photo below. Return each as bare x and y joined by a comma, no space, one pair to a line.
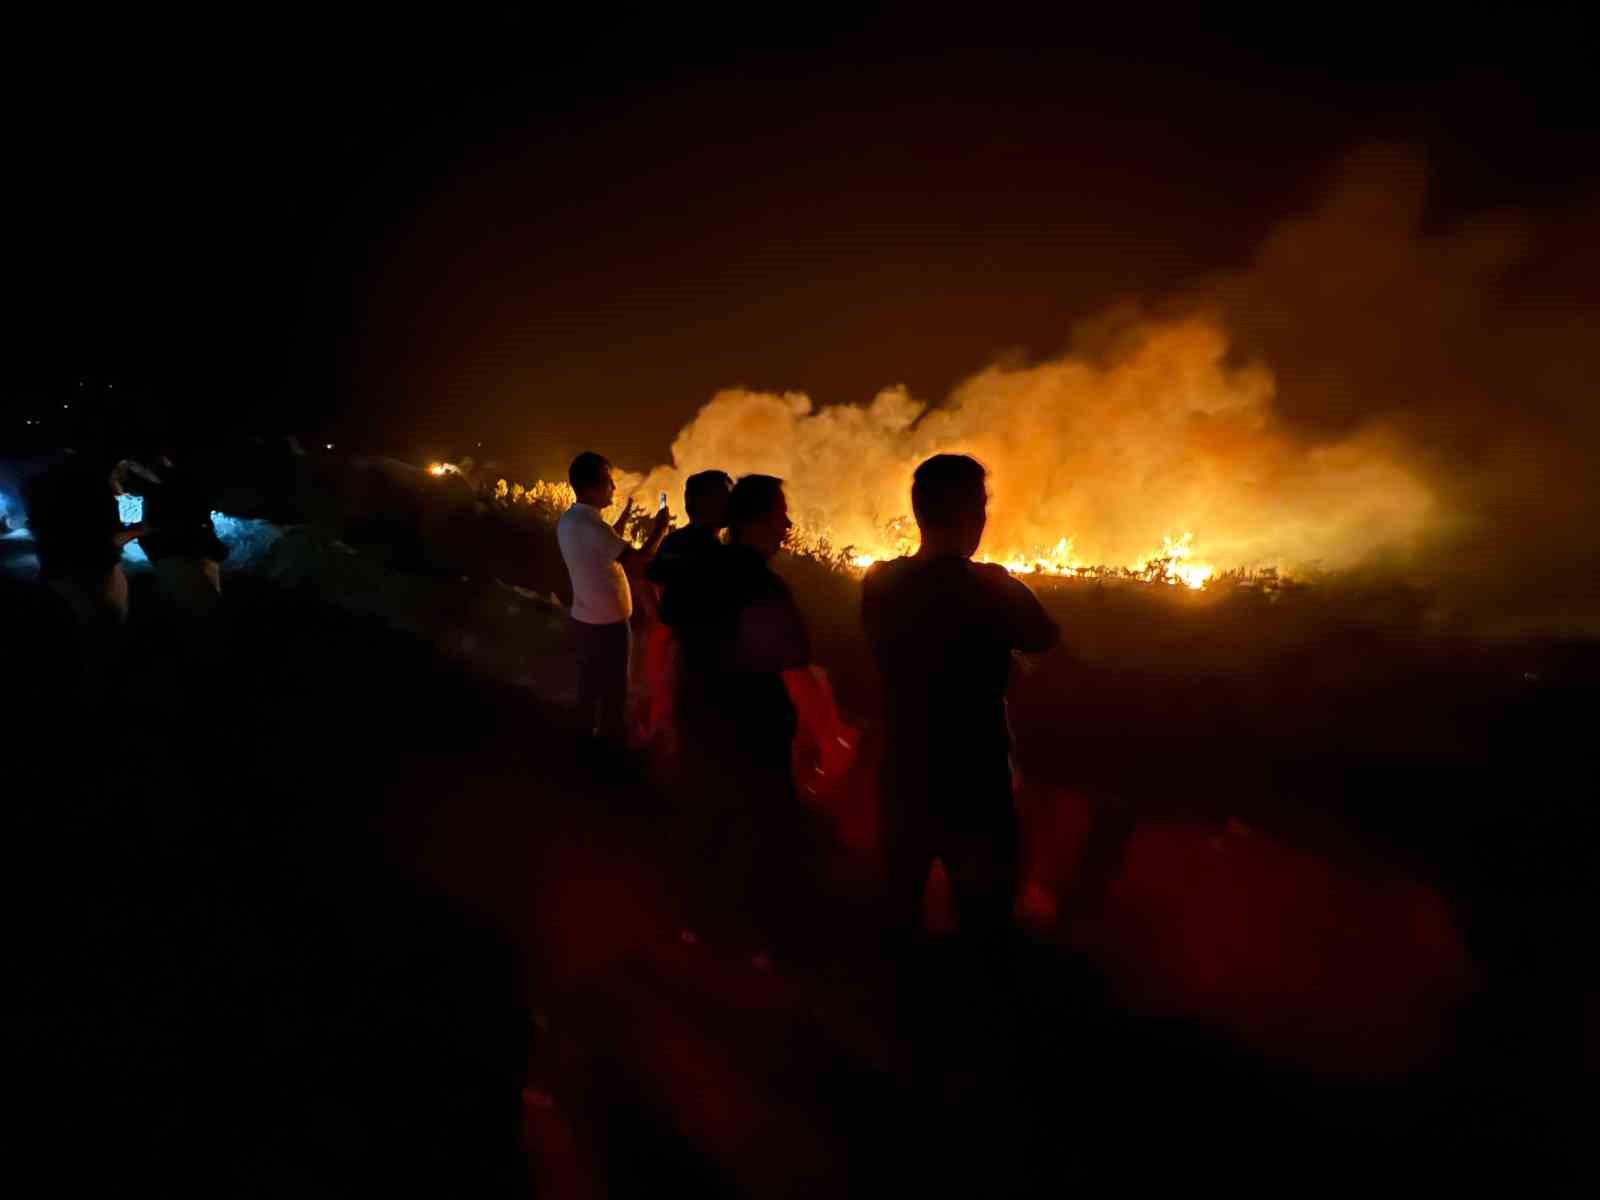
130,510
247,538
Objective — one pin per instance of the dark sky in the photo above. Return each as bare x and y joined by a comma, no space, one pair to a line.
549,232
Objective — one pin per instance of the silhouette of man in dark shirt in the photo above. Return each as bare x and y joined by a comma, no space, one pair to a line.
182,541
79,536
178,513
741,637
943,629
73,514
705,499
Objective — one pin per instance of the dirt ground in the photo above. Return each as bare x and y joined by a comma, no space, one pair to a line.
313,907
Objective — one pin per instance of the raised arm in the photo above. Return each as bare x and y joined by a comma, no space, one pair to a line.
638,556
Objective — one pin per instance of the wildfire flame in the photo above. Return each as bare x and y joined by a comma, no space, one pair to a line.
1160,459
1156,456
1170,564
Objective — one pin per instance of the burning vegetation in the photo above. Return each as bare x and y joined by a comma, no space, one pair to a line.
1155,458
1382,389
1156,461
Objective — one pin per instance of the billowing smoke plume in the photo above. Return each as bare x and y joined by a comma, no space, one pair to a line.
1370,392
1475,342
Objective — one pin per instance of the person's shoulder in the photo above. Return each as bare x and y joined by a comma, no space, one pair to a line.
679,541
993,579
675,550
582,517
990,572
575,527
887,572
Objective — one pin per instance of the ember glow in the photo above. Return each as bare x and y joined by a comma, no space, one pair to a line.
1170,564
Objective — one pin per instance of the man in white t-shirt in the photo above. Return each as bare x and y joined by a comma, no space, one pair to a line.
595,554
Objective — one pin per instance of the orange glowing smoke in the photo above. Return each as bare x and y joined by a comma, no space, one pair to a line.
1158,456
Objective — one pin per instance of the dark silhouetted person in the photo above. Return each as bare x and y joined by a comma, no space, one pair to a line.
744,648
79,536
595,554
943,629
705,500
180,539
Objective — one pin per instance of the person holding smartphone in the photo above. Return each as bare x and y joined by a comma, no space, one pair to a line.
596,553
72,510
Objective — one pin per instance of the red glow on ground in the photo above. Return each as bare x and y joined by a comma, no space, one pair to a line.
1297,955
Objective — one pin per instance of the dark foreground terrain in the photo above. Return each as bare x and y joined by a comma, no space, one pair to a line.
308,909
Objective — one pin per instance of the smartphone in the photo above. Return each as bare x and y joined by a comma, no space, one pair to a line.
663,503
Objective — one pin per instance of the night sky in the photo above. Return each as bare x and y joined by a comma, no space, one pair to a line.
551,232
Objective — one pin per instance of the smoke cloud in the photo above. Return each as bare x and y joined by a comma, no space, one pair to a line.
1375,390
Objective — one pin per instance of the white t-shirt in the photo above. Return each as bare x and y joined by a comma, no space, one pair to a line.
600,594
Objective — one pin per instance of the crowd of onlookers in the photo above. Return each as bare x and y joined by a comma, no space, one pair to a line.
79,534
943,630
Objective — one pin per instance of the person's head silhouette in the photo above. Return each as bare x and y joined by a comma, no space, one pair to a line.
758,514
950,499
590,477
705,498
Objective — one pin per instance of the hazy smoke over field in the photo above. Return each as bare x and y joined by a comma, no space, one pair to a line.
1372,390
